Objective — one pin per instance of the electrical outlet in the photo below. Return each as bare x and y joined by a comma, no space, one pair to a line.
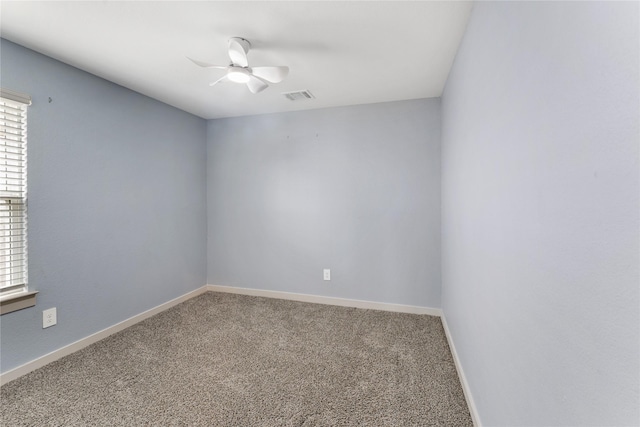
49,317
326,273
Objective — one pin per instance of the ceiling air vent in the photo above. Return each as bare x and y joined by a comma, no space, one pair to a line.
299,95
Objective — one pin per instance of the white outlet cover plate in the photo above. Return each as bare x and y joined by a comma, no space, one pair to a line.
326,274
49,317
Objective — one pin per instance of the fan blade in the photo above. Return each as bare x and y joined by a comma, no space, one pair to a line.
256,85
271,74
238,49
205,64
219,80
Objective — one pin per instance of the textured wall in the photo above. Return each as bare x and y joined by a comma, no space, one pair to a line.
116,203
354,189
540,210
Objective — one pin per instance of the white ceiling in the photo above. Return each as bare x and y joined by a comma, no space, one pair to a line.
344,52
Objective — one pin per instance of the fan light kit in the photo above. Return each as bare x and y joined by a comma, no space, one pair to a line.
257,79
238,75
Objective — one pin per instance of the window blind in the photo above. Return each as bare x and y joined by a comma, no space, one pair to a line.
13,192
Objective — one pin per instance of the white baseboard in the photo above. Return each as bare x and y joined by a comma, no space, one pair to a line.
343,302
84,342
475,416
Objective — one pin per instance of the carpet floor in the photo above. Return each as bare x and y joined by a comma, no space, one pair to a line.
234,360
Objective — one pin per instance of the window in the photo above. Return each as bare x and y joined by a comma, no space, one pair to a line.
13,194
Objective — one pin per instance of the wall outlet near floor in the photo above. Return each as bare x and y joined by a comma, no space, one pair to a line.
49,317
326,274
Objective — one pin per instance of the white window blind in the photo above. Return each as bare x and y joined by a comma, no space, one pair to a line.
13,192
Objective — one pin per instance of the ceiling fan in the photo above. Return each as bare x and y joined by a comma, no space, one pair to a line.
257,79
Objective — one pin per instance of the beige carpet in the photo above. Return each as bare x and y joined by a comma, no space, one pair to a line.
232,360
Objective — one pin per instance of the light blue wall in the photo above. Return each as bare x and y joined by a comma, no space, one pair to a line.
540,189
353,189
117,208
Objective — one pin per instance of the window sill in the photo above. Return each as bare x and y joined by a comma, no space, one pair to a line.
15,302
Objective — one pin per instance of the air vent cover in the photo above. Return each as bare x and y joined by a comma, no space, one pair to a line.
299,95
